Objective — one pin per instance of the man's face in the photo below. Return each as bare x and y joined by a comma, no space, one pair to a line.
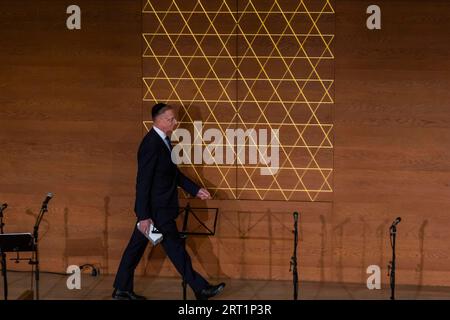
167,121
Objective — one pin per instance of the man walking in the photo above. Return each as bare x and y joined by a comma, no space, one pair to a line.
157,202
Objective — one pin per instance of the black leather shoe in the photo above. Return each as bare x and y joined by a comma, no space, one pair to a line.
126,295
210,291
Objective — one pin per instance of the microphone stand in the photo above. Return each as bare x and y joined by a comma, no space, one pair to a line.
184,236
391,266
293,264
35,260
3,260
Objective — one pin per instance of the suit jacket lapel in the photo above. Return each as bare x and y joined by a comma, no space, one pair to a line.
160,140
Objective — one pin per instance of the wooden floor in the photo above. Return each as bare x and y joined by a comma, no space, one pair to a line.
54,287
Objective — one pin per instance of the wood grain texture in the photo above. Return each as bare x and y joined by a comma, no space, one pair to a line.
70,124
391,127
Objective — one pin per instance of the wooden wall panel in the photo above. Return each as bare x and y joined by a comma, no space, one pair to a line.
70,110
391,128
256,242
71,120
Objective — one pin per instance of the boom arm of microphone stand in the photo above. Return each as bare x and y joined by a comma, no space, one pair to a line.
38,220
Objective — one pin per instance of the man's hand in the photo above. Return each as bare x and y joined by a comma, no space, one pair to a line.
144,225
203,194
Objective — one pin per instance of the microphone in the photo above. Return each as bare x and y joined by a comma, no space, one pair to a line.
396,222
295,216
47,199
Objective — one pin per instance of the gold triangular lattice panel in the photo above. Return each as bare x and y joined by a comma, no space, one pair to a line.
249,65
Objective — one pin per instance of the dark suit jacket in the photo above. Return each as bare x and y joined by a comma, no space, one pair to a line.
157,181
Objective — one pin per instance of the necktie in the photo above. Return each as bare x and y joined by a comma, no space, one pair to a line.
169,145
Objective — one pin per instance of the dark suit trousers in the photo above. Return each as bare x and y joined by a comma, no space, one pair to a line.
173,246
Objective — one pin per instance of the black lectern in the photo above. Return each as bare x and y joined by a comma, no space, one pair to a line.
14,242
